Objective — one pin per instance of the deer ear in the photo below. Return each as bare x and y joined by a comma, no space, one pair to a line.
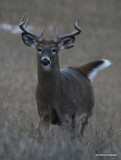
29,40
67,43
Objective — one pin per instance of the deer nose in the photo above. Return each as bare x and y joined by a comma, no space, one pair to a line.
45,61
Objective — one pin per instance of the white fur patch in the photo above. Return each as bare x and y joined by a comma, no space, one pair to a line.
92,74
48,67
45,57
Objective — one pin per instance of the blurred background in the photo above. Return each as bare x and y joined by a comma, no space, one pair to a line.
100,21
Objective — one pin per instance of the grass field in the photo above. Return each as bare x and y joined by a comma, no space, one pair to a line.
100,21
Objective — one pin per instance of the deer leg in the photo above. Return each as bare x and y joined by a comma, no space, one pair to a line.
55,118
84,120
73,125
44,125
37,124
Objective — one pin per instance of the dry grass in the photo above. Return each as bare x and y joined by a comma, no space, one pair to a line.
100,38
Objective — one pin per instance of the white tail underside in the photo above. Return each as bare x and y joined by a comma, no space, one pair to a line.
92,74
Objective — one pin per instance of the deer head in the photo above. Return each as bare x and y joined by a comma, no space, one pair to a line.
48,49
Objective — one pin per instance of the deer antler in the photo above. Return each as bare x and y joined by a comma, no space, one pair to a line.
23,26
76,32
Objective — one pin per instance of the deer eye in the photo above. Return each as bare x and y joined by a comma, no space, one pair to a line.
53,50
39,49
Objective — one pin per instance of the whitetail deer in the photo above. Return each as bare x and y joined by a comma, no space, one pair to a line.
62,93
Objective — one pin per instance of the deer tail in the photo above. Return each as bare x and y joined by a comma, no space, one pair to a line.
90,69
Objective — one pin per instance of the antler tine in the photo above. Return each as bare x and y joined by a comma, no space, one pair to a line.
22,22
77,27
23,26
22,19
26,22
40,36
74,33
57,32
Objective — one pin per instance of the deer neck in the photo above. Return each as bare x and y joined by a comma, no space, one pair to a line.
49,81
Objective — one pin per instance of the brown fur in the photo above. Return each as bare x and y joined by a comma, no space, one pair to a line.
87,68
61,95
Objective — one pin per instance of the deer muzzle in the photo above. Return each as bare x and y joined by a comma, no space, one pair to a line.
45,61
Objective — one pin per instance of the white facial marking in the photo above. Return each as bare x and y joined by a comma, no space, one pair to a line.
45,57
53,53
47,67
